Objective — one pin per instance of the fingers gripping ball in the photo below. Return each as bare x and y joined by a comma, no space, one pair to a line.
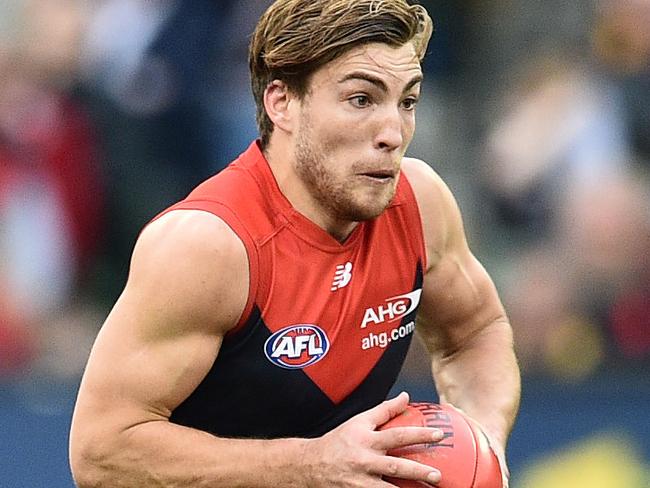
463,456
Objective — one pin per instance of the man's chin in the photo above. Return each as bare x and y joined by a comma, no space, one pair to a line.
362,213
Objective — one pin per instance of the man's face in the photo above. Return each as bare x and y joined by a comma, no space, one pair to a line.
356,121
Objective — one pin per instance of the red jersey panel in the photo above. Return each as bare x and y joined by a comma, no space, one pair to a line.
327,324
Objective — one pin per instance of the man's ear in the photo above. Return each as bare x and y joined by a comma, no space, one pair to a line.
280,104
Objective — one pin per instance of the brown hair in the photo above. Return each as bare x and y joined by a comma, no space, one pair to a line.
294,38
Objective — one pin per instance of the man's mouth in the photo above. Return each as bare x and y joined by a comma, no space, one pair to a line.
381,175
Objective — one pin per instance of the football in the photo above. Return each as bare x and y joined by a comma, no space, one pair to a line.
463,456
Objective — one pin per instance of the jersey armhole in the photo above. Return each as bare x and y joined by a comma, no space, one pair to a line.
224,213
413,207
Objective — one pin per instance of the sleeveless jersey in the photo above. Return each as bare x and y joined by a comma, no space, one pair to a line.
327,325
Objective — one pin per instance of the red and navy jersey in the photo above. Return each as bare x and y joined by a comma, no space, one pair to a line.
327,325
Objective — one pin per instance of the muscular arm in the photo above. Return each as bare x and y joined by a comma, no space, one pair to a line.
187,287
461,319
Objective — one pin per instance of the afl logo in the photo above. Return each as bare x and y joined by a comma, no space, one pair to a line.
297,346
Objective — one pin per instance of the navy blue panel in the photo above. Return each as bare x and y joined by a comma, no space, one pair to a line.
244,395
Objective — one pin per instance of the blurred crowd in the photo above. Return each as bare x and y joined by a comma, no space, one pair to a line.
536,114
564,167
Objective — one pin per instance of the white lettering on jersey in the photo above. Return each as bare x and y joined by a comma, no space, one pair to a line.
395,308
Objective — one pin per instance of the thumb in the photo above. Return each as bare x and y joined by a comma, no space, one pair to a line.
386,410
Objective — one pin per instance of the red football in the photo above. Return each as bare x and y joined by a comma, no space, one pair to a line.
463,457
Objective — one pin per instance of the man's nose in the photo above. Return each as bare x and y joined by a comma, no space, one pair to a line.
390,130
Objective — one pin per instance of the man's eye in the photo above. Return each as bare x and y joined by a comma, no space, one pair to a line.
409,103
360,101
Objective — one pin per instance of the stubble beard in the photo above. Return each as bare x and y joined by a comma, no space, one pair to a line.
337,198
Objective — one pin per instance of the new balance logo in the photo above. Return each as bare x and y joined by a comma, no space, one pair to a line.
342,276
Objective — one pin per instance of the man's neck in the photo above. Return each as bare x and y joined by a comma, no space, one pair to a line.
281,161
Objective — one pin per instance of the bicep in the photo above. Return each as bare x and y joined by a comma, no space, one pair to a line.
138,372
459,300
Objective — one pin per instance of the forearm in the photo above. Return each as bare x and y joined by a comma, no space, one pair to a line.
482,378
161,454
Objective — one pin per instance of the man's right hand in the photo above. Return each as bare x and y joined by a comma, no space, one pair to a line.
354,453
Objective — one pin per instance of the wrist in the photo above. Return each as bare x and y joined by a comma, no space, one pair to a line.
307,449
